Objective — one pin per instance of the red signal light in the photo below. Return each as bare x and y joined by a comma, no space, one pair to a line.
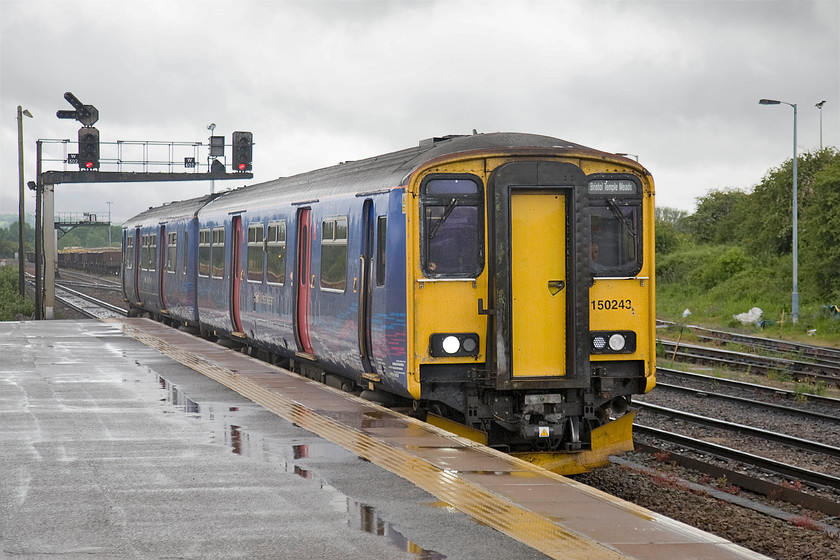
243,143
88,148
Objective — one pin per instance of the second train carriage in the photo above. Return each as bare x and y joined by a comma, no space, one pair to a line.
160,262
502,283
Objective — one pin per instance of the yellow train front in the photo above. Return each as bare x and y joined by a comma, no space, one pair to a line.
530,296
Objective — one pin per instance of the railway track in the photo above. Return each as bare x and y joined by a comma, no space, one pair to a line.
75,289
724,433
776,466
88,281
810,407
87,305
806,352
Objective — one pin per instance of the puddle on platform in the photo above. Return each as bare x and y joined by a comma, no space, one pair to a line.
225,429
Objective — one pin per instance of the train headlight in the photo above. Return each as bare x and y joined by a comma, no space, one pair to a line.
612,342
453,345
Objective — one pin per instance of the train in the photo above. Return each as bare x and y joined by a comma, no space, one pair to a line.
99,260
497,285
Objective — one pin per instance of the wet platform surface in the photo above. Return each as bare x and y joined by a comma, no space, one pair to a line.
113,448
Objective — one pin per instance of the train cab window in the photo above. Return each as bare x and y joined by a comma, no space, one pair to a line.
256,252
275,248
171,251
129,252
152,253
217,253
334,254
615,222
381,228
204,252
452,226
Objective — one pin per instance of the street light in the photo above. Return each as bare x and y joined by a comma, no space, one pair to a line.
109,222
794,296
21,112
819,106
212,127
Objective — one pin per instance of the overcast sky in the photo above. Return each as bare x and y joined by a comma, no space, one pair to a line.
675,82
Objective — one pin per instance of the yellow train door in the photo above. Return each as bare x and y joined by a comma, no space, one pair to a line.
538,284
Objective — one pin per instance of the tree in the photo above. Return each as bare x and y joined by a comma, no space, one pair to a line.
820,231
768,217
669,228
718,217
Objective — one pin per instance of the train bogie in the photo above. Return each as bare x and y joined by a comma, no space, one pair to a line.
501,283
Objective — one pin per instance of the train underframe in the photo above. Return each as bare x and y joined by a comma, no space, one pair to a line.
551,419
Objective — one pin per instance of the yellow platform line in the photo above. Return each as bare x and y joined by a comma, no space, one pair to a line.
484,506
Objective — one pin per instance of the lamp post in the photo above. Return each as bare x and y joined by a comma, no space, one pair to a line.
819,106
794,296
212,127
21,112
109,222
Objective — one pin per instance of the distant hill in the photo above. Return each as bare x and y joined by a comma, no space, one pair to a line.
8,219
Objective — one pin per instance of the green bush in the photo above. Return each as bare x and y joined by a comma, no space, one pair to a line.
11,304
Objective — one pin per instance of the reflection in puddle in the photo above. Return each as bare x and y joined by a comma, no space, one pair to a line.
221,419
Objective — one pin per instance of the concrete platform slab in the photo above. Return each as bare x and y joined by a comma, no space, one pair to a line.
111,450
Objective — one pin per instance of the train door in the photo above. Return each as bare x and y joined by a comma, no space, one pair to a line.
164,250
127,249
366,288
538,282
138,250
539,274
236,273
304,254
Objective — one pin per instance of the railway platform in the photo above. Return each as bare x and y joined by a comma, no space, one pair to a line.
128,439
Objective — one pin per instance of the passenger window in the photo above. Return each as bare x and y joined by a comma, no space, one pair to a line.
381,229
276,252
152,252
204,252
144,252
171,252
615,225
334,254
256,252
452,226
129,252
186,250
217,253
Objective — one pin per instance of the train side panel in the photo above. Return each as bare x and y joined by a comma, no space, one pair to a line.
267,292
388,323
355,323
149,274
179,270
213,273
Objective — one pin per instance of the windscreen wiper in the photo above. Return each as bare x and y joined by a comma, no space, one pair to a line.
615,209
450,206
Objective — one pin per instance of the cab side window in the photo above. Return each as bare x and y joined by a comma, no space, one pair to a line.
452,226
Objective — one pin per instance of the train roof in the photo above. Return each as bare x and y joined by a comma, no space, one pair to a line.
379,173
387,171
170,211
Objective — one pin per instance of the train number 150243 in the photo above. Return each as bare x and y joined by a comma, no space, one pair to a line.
607,304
